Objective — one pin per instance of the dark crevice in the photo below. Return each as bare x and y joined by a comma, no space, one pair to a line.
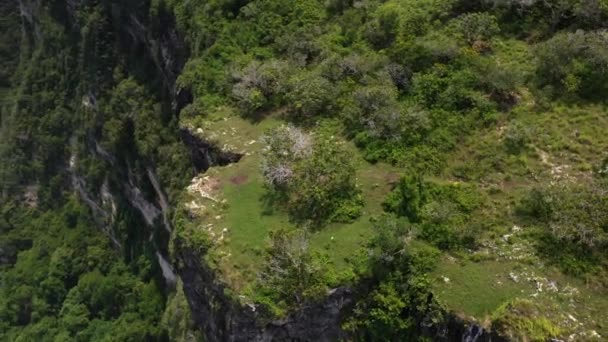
205,154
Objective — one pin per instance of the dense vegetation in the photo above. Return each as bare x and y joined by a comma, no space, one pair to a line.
413,84
69,273
385,144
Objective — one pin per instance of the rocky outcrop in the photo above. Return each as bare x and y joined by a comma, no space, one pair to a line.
222,318
205,154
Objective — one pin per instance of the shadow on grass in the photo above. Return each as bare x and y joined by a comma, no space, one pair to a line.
272,200
275,201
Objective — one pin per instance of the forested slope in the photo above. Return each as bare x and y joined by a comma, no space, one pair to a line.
433,164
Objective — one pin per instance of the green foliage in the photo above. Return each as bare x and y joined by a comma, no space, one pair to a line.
258,84
439,211
309,96
575,213
400,296
177,319
523,320
314,174
475,28
292,274
9,42
516,138
535,204
71,284
574,63
407,198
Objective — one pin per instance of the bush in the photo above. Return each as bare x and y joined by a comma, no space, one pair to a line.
440,211
315,177
475,28
400,297
407,198
309,95
535,204
522,320
448,89
292,274
575,63
323,183
382,30
258,84
579,214
516,138
574,213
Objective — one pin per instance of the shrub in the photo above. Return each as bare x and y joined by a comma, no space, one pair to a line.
353,66
440,211
285,146
257,85
579,214
475,27
309,95
382,30
516,138
522,320
575,213
407,198
442,87
535,204
400,296
575,63
400,76
323,183
315,177
292,274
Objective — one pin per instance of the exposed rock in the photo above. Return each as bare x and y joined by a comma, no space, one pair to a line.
204,154
222,318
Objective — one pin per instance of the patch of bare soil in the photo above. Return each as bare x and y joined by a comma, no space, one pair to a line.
239,179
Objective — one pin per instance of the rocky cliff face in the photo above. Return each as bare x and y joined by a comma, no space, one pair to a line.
223,319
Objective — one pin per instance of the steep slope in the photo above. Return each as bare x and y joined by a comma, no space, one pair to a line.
303,170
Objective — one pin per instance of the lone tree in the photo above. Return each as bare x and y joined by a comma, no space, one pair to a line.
316,177
292,273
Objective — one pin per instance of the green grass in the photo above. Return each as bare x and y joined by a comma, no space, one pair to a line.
476,288
568,135
248,219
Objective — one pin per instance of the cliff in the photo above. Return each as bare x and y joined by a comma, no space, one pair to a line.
133,185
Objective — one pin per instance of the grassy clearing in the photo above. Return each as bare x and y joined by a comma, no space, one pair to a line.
564,143
242,222
480,281
476,288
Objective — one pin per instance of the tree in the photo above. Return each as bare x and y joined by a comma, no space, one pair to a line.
407,198
475,27
579,213
315,177
256,85
400,296
285,146
324,183
574,62
309,95
292,273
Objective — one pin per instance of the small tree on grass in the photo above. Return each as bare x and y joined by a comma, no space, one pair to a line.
285,146
293,274
315,176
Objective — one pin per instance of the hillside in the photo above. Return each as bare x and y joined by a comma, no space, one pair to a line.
233,169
